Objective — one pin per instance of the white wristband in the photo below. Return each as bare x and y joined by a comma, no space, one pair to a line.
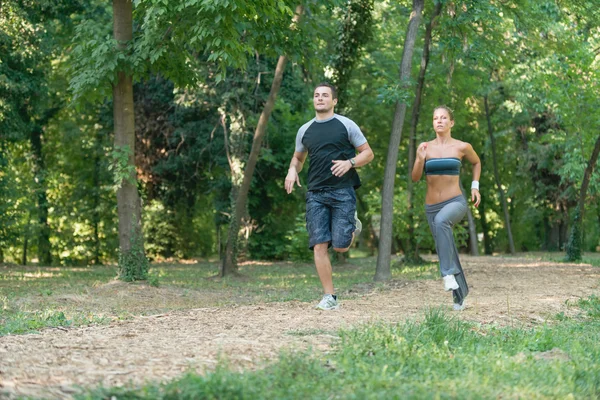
475,185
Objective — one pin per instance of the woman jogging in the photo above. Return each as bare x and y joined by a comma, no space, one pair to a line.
445,205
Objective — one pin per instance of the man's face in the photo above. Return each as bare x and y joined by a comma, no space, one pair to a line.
323,100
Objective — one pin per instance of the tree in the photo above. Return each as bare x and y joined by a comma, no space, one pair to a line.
174,39
411,253
574,244
229,264
385,237
133,264
511,242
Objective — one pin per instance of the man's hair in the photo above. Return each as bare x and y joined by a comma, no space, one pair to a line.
330,86
448,110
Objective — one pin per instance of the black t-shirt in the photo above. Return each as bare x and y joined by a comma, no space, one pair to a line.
335,138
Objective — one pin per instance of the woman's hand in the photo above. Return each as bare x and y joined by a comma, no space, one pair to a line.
475,196
422,151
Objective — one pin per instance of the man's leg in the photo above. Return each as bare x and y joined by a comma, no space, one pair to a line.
344,222
318,223
323,265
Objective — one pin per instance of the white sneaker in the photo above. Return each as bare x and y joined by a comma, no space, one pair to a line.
459,307
358,224
328,302
450,283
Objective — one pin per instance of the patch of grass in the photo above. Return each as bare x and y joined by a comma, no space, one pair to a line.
591,305
311,332
592,259
26,322
437,357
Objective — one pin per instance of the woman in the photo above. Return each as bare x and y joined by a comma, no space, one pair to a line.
445,204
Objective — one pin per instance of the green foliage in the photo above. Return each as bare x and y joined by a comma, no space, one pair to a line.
122,169
154,278
133,263
174,39
297,248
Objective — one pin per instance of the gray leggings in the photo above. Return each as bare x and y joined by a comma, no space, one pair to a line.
441,217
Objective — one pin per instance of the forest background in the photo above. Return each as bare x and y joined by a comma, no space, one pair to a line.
522,77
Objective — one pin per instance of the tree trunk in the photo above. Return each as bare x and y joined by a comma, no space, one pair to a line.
412,249
472,227
384,255
96,218
234,129
131,242
485,229
229,264
511,243
575,241
25,245
44,247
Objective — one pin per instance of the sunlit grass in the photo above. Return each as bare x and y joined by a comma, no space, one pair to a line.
437,357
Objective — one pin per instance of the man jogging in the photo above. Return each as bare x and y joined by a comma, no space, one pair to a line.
331,141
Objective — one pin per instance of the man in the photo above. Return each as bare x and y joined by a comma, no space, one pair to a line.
331,141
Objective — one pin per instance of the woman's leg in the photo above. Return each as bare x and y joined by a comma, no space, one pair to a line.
441,225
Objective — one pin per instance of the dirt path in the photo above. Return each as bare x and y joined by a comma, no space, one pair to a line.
504,291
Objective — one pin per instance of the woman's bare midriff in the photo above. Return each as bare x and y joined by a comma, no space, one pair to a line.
441,188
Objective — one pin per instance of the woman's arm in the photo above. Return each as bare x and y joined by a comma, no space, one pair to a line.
473,158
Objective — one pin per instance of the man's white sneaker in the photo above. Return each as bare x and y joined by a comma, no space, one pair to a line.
358,224
328,302
459,307
450,283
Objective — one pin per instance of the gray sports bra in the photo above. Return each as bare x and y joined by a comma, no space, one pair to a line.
442,166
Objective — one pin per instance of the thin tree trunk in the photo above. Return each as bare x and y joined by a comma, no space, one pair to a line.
575,242
384,255
25,245
511,243
229,264
412,249
472,228
128,199
96,197
237,154
44,247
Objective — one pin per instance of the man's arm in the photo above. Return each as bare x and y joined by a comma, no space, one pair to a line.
295,167
365,156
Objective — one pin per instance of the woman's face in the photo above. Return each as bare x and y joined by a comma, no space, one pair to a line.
441,121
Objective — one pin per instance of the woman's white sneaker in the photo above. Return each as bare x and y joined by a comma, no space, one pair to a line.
450,283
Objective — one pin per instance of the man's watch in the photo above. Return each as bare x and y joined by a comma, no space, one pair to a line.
353,162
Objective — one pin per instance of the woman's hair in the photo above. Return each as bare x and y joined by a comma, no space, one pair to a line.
448,110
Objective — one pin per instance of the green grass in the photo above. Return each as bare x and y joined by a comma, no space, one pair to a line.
439,357
592,259
33,298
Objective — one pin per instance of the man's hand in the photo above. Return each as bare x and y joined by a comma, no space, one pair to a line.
340,167
291,178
